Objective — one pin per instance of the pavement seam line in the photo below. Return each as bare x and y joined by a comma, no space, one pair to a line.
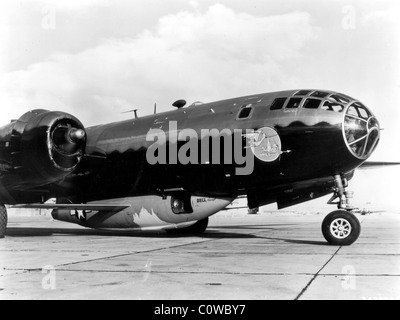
323,267
316,275
145,251
127,254
218,273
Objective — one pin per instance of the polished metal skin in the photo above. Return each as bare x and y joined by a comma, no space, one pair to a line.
301,140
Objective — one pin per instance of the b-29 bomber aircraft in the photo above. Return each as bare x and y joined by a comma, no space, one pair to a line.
172,171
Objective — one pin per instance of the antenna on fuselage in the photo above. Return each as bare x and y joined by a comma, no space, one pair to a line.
135,111
155,108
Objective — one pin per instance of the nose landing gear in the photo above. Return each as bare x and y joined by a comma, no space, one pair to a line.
3,221
341,227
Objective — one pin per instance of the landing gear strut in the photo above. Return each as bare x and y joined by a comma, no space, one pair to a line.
3,221
341,227
341,194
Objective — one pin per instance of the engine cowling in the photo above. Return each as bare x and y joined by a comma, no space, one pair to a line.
41,147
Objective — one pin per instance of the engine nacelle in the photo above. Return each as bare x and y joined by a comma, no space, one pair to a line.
41,147
150,212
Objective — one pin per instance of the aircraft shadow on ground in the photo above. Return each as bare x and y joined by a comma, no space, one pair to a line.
18,232
297,241
256,226
213,233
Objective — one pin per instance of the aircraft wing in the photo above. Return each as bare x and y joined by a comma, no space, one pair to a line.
88,207
372,165
234,208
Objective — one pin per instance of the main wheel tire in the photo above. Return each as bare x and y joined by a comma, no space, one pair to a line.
341,228
3,221
198,228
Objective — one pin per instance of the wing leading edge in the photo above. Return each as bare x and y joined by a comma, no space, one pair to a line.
373,165
87,207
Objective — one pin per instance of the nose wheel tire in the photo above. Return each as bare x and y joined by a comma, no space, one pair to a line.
341,228
3,221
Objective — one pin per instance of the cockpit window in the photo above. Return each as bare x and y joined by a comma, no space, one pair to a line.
311,103
361,130
245,112
278,103
339,99
358,110
294,103
320,94
353,111
332,106
363,113
302,93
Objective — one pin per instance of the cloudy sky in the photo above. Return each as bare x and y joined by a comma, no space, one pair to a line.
99,58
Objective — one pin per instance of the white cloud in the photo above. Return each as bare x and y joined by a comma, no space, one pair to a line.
377,17
4,39
71,5
207,55
13,8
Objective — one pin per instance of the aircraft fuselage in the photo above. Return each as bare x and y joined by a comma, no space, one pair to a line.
294,137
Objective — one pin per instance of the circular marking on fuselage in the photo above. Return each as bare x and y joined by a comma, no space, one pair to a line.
266,144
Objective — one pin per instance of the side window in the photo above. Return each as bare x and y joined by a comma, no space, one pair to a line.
339,99
294,103
320,94
312,104
332,106
245,113
364,113
302,93
353,111
278,103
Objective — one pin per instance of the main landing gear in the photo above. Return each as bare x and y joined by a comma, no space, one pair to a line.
3,221
341,227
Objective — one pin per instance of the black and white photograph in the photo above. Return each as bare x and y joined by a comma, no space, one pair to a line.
189,152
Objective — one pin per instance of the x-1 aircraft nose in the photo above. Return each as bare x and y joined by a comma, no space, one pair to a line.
361,131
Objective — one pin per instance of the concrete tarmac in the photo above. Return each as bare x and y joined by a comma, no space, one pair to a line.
269,256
